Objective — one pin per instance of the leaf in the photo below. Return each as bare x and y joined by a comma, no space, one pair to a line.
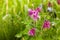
26,37
32,38
39,38
25,31
19,35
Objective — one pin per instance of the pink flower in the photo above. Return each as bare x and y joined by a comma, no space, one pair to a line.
46,24
38,9
32,32
58,1
49,4
33,14
30,12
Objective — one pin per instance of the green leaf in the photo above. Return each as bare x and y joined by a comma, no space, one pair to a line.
19,35
26,37
25,31
39,37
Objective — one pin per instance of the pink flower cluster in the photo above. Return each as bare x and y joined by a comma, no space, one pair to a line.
34,13
32,31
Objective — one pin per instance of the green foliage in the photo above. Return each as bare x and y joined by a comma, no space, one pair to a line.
15,24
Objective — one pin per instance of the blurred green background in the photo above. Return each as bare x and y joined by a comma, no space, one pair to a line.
10,20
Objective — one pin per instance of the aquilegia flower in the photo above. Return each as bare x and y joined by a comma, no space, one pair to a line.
58,1
34,14
38,9
49,4
50,9
32,32
46,24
